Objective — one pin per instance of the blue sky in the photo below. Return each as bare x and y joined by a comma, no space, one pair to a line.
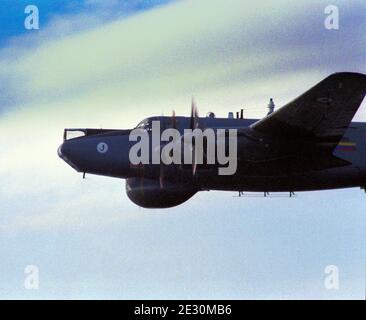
111,64
12,12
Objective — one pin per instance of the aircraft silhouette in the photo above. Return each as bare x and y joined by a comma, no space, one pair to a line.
309,144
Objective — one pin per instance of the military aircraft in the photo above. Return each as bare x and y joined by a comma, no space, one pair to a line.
309,144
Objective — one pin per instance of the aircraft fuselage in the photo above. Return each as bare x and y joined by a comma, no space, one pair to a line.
264,163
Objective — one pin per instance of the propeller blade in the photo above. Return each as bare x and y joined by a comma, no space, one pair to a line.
193,125
161,177
193,107
195,117
161,174
174,120
194,167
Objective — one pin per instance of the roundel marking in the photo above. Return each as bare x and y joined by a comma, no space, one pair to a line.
324,100
102,147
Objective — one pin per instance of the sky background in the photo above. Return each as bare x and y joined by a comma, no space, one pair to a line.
112,63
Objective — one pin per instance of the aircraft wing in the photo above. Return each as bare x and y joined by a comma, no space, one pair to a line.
321,114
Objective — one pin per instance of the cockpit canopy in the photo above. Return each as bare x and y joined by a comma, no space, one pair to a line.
73,133
144,124
164,122
78,133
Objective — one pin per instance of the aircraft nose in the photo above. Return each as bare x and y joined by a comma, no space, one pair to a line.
64,152
59,152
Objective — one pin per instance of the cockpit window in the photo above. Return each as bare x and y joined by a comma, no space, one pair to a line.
73,133
144,124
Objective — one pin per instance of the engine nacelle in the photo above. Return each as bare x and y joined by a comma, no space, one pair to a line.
148,193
